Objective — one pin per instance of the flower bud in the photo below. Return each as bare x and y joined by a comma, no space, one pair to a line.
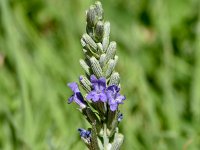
105,41
99,30
100,48
114,79
85,83
88,40
85,67
102,60
111,66
96,68
92,17
99,10
110,53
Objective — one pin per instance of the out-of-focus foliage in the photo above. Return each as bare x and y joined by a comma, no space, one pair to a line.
159,51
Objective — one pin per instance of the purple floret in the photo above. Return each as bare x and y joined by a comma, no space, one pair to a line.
85,134
77,96
114,97
119,117
98,89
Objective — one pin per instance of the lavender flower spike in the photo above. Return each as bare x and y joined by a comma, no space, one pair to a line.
77,96
99,104
114,97
98,89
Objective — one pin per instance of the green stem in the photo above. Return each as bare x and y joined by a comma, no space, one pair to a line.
105,137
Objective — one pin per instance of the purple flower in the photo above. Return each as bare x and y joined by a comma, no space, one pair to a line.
98,89
77,96
85,134
119,117
114,97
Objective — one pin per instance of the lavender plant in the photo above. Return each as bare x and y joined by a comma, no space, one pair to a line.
101,85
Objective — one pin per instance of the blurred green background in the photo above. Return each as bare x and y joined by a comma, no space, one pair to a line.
159,51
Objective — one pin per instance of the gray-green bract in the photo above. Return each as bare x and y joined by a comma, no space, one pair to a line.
101,83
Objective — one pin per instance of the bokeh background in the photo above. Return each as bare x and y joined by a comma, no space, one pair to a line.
159,51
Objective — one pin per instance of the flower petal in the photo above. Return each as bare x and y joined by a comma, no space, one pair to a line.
84,133
90,95
74,87
71,99
93,96
113,107
102,83
103,97
77,96
93,78
120,99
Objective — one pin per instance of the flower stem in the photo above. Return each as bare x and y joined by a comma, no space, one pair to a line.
105,137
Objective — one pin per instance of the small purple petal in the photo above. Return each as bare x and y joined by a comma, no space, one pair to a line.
109,95
73,86
80,78
90,95
114,97
113,88
120,99
79,100
95,98
77,96
113,107
70,99
103,97
102,83
98,89
93,78
85,134
111,101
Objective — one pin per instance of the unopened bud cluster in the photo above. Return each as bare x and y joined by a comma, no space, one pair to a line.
101,84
